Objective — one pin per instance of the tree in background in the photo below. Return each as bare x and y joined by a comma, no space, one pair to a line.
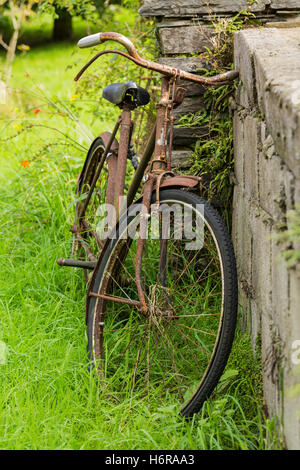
17,11
64,10
62,27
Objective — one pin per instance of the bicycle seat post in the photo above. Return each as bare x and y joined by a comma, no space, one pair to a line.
126,127
160,162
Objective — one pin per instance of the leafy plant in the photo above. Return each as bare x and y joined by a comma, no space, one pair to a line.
213,154
291,236
220,53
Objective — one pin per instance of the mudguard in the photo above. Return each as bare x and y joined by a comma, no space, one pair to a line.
181,180
105,136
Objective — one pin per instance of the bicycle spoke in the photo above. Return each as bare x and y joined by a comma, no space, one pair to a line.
168,348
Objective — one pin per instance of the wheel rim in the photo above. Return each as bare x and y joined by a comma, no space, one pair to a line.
89,224
168,352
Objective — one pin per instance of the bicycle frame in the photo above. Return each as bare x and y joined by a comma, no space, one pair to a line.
169,76
159,167
161,282
157,170
116,153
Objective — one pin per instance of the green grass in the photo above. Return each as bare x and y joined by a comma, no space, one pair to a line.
48,398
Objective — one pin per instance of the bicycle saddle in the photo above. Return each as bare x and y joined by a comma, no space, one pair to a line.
119,93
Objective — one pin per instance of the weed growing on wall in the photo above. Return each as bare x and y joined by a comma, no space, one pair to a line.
290,235
213,154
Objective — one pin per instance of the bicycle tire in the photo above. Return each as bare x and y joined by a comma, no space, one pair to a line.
217,231
85,179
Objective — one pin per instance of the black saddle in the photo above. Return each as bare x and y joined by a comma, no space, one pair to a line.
130,92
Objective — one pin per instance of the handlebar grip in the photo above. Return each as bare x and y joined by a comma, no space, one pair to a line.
99,38
89,41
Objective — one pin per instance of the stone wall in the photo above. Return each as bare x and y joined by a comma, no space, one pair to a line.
184,27
267,174
267,170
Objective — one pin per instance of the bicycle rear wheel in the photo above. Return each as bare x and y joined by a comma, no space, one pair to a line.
89,219
177,351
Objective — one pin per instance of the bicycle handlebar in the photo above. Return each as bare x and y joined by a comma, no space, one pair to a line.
99,38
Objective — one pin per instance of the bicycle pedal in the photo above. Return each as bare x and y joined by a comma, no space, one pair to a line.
74,263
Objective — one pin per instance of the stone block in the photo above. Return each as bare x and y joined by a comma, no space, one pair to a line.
251,130
185,39
242,238
188,136
243,309
269,64
280,290
236,214
188,64
290,183
277,78
261,259
242,97
254,315
291,406
294,300
239,149
292,366
276,186
243,60
267,121
271,353
182,8
181,158
190,106
285,4
297,192
192,89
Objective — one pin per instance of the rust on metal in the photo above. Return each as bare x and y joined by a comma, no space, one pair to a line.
179,96
144,216
138,176
216,80
121,39
114,147
171,135
112,162
159,161
100,165
159,181
74,263
156,168
122,154
115,299
182,180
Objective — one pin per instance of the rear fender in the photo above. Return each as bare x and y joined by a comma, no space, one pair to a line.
105,136
181,181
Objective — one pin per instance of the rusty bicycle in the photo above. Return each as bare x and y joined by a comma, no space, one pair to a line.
161,299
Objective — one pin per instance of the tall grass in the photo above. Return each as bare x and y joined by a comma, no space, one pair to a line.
48,397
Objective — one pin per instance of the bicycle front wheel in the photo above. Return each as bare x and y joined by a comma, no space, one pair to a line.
176,351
